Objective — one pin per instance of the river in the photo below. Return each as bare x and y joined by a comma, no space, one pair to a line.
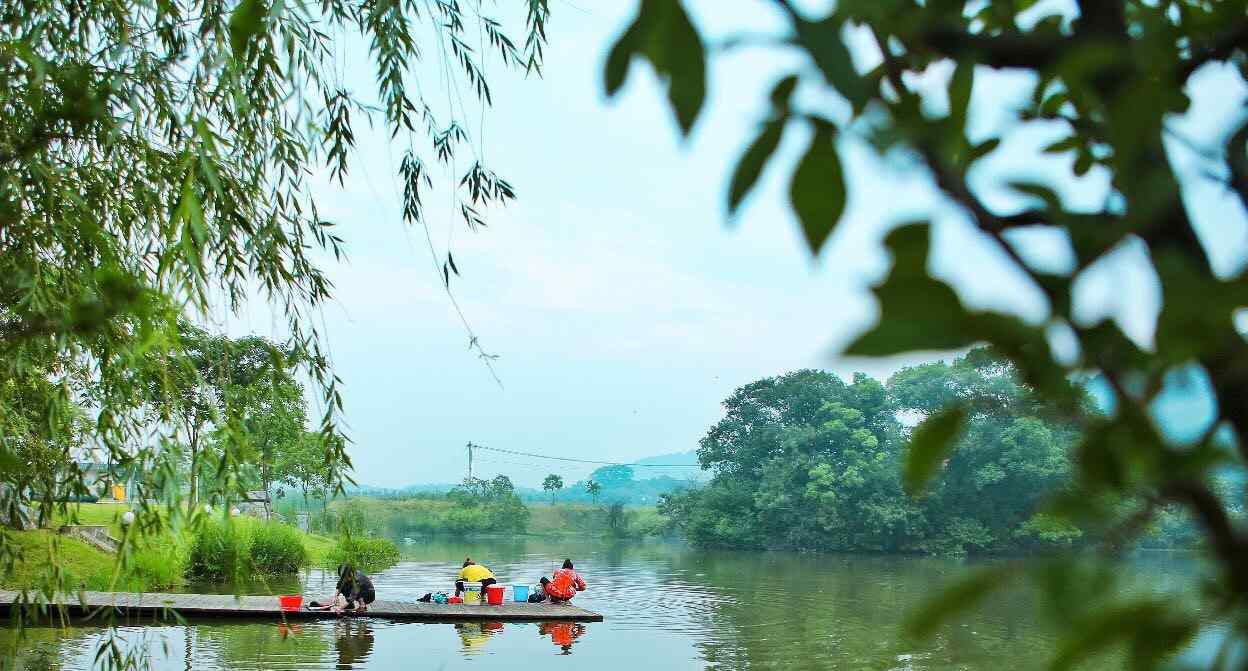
667,606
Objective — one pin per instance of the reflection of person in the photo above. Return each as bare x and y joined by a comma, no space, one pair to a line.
474,572
354,642
562,634
564,584
474,635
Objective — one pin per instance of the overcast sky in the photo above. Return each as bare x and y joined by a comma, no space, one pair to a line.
622,305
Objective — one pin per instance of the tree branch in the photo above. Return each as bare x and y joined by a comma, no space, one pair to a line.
999,51
954,186
1220,50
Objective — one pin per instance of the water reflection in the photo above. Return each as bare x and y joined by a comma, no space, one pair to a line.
474,635
353,639
562,634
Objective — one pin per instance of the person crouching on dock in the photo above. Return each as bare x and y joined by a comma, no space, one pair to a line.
564,584
474,572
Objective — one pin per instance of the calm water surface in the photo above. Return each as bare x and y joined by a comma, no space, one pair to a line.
666,606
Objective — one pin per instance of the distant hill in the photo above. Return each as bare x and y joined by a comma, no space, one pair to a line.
683,461
651,476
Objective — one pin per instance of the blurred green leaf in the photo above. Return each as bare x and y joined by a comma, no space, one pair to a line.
1042,191
246,21
957,598
1064,145
982,149
818,187
917,312
782,92
1152,627
960,86
930,445
1190,329
822,40
663,34
752,162
1083,163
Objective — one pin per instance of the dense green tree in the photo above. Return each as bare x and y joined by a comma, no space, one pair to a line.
1013,453
488,504
787,476
43,449
609,477
302,466
1107,79
552,483
233,402
803,460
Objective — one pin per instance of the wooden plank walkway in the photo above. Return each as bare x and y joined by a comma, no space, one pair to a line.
266,607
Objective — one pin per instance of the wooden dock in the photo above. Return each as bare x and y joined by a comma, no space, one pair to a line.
130,605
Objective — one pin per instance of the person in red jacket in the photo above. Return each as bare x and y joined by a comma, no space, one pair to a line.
564,584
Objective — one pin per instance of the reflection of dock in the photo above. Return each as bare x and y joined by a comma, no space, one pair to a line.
265,607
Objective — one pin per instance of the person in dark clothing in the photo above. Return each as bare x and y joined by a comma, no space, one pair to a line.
355,589
539,592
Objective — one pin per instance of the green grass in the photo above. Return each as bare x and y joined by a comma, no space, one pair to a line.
398,517
95,514
154,565
319,549
159,562
582,519
84,565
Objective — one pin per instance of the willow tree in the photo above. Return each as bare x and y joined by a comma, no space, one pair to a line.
157,158
1113,76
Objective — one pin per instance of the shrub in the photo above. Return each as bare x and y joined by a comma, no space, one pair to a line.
276,548
366,552
243,547
218,550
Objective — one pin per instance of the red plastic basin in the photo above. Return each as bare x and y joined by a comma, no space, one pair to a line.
290,601
494,595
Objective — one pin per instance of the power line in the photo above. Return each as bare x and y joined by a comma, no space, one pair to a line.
580,461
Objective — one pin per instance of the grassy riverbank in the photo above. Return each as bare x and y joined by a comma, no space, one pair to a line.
431,515
213,550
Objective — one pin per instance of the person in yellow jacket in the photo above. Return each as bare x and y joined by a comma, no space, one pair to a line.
474,572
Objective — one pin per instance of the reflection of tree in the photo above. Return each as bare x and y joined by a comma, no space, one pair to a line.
354,641
38,647
251,645
562,634
474,635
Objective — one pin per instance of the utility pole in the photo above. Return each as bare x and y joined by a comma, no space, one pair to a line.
470,446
